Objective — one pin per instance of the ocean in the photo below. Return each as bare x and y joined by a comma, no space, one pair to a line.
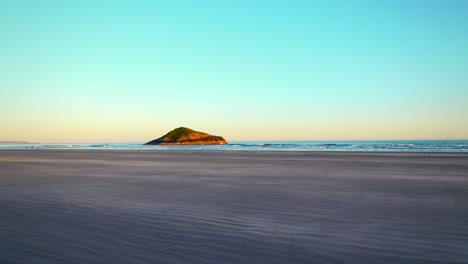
386,145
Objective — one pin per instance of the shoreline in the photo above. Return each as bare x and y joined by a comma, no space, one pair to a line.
240,151
347,146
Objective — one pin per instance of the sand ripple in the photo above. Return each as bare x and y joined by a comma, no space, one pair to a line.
93,209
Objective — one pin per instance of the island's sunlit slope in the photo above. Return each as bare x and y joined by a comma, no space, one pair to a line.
187,136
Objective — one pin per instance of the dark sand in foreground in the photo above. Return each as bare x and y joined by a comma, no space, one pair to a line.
80,206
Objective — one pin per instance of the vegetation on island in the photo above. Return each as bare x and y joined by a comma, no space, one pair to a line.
187,136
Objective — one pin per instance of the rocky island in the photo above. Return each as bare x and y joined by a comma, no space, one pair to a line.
187,136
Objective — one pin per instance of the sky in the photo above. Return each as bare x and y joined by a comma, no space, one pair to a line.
129,71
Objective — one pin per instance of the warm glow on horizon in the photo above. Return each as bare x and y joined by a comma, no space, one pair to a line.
92,133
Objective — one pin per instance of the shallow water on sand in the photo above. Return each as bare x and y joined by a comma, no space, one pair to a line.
181,206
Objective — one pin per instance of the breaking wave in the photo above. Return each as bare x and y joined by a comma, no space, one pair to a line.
404,146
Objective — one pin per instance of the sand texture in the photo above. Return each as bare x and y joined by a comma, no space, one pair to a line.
184,206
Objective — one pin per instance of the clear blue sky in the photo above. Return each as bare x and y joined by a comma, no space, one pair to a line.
82,71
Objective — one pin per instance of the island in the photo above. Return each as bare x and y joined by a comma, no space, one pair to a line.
187,136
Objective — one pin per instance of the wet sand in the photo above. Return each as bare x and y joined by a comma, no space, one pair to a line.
183,206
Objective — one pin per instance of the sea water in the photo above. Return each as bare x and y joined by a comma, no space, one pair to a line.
390,145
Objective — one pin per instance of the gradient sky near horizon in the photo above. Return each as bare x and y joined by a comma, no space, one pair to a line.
108,71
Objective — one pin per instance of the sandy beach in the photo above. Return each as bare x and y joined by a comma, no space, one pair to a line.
188,206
